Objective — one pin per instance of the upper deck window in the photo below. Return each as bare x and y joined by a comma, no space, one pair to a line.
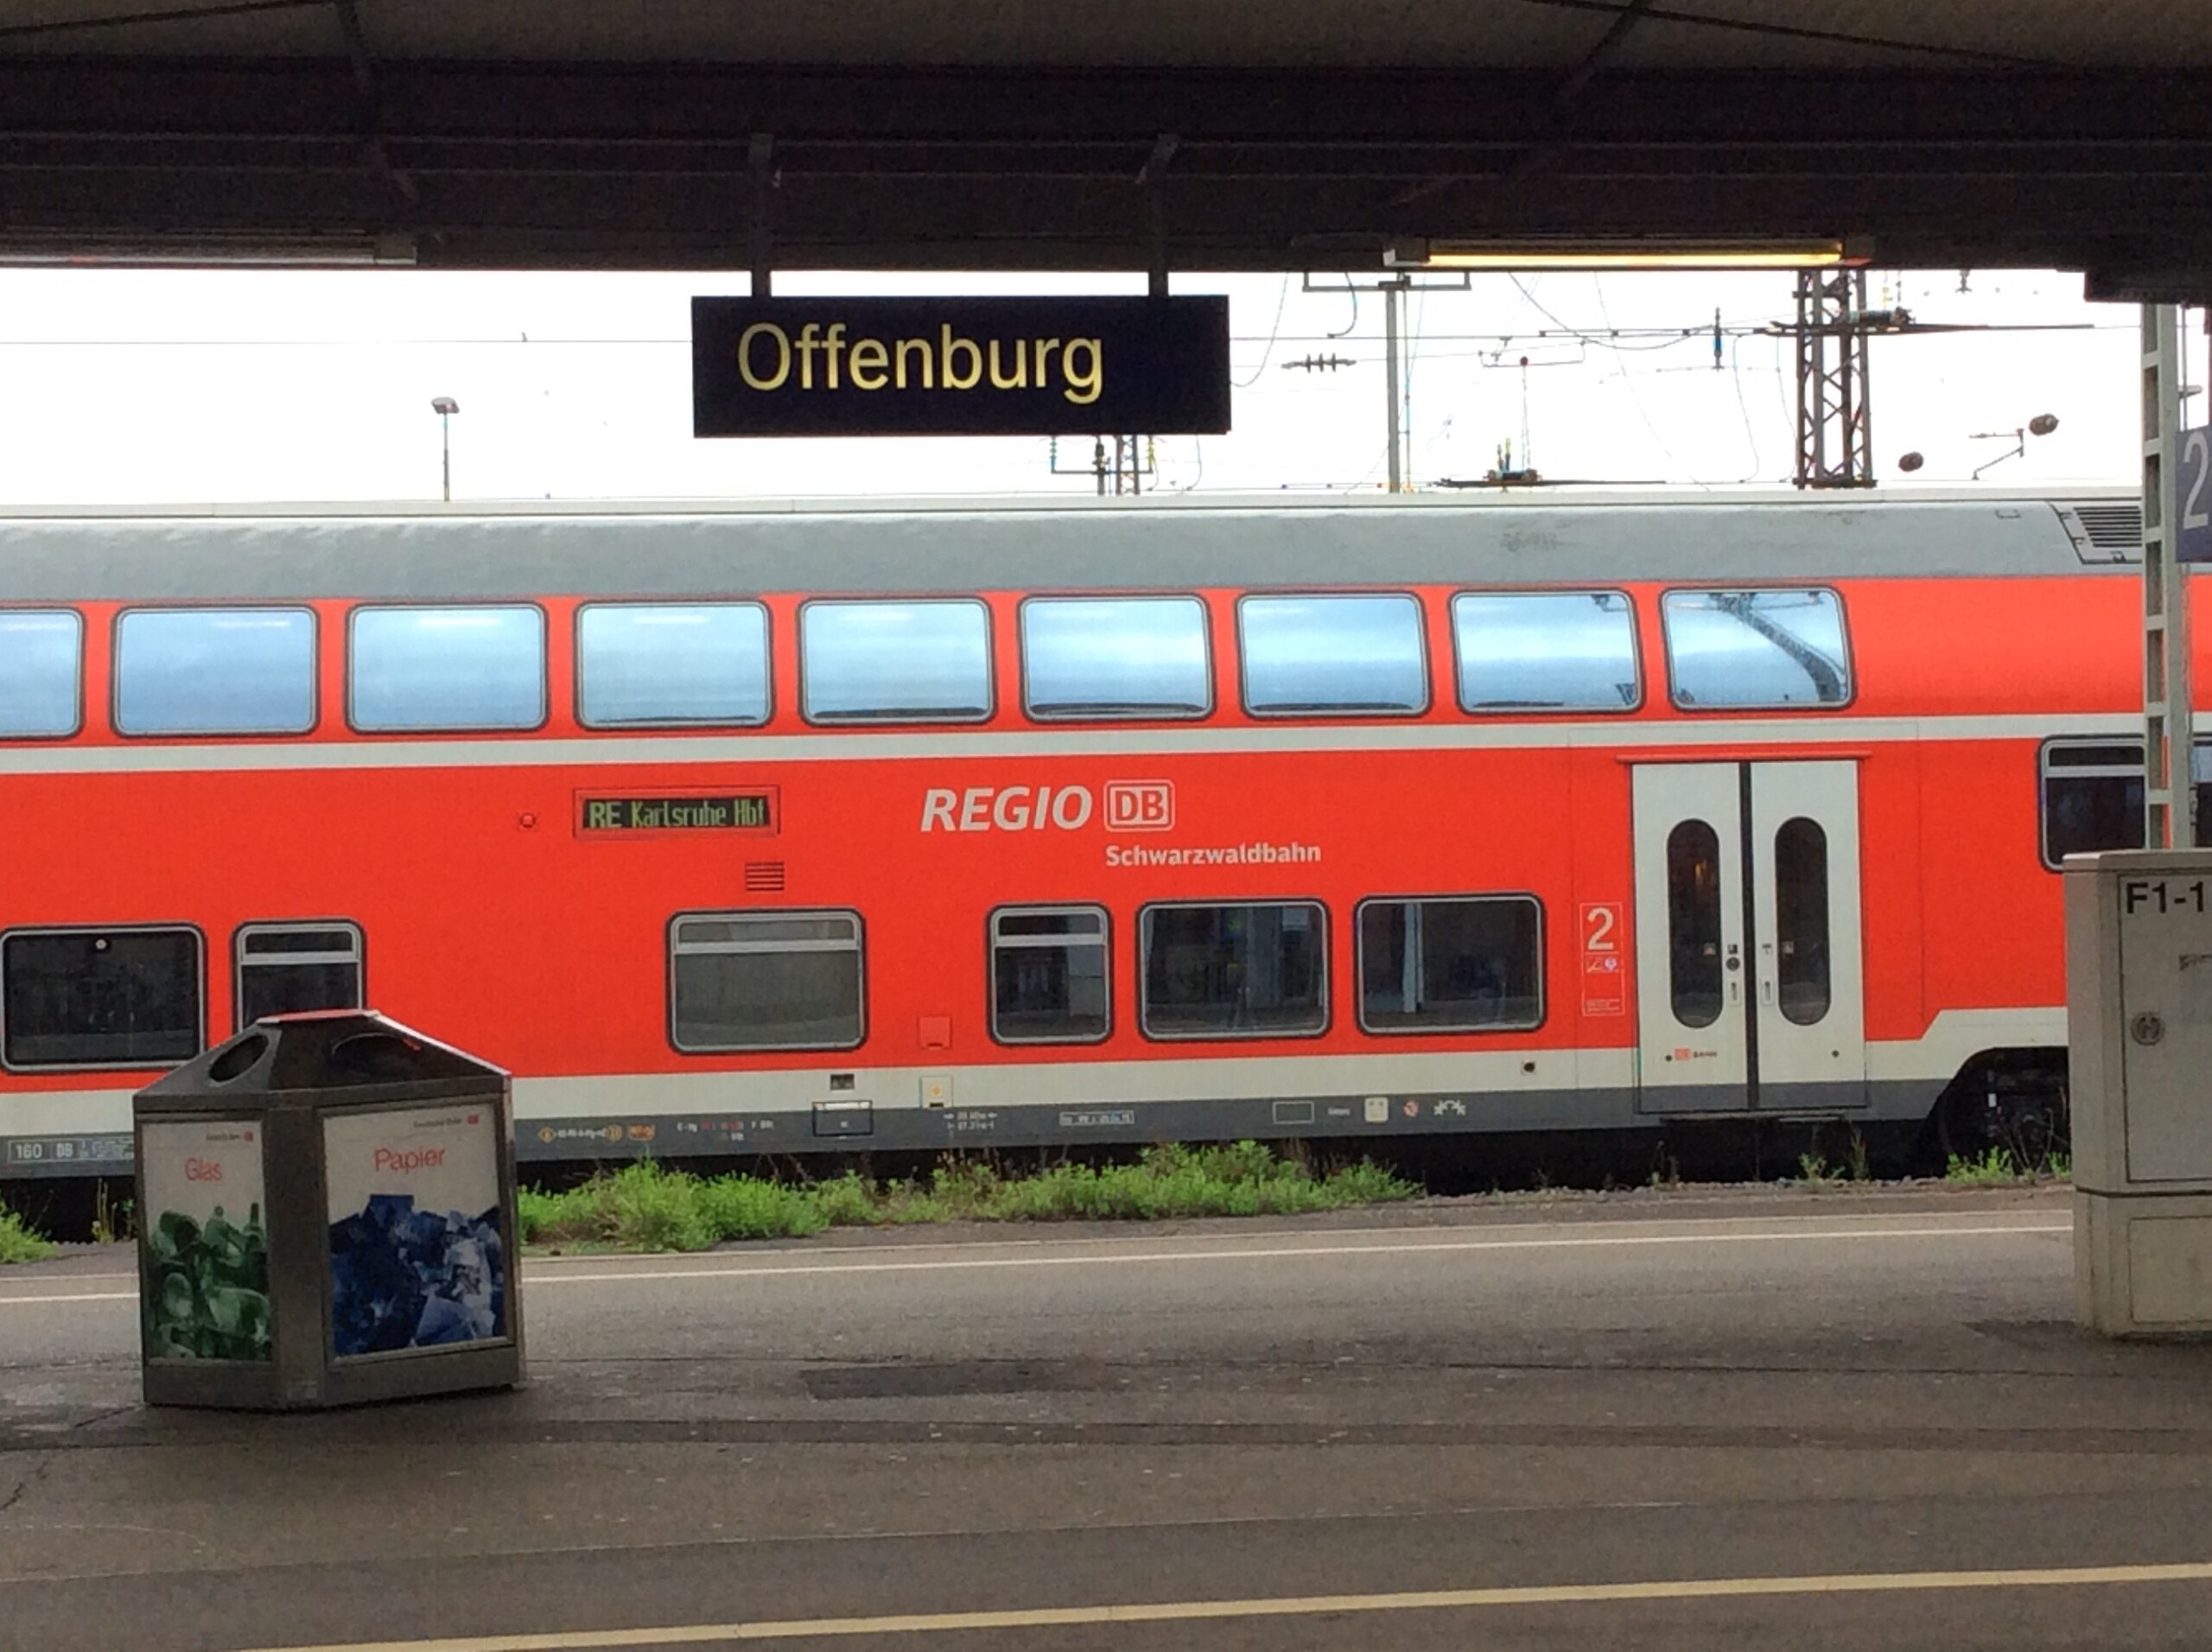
1737,651
640,665
1546,650
895,662
1115,657
1335,655
41,653
437,669
214,671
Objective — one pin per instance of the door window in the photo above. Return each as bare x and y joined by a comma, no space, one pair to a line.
1693,922
1800,920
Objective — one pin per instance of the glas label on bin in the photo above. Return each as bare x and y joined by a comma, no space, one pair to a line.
206,1285
415,1257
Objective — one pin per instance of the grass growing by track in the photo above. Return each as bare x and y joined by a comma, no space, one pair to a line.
648,1207
18,1244
1998,1168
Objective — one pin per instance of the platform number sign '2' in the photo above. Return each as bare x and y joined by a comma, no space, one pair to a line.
1604,969
2194,542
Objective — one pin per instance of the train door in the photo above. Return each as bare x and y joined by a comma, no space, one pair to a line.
1749,986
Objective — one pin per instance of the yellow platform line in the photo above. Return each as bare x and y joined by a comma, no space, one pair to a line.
1176,1611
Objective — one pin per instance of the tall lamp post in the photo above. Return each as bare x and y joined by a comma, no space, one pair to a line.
445,407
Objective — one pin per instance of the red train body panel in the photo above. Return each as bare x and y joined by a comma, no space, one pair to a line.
491,912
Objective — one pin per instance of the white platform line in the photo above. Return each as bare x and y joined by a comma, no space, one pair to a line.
808,1269
1279,1253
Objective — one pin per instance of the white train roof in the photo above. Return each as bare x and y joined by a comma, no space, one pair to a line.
437,552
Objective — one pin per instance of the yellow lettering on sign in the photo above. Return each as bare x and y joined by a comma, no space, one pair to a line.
753,380
1021,379
1084,385
764,351
952,346
868,361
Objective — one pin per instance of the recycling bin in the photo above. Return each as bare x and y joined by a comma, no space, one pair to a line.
326,1217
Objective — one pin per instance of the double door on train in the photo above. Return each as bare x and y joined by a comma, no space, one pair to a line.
1750,985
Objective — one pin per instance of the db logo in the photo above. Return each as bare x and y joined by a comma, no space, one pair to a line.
1140,805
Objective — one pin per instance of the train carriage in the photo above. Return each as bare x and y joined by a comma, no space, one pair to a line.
742,829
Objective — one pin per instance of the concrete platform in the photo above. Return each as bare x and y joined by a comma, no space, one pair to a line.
1825,1420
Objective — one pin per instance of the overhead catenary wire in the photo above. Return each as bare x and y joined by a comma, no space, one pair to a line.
1626,339
1283,297
1597,287
161,14
1735,377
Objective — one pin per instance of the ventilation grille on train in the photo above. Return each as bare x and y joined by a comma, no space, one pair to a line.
2104,532
764,877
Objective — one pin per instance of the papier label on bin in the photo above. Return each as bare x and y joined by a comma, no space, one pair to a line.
415,1257
206,1285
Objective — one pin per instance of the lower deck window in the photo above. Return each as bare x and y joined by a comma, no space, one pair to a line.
285,969
1234,971
765,980
1451,965
99,998
2093,796
1048,974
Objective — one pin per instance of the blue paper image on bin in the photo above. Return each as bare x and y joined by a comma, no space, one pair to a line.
404,1277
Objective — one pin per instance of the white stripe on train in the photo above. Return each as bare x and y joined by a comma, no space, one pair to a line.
1953,1037
525,751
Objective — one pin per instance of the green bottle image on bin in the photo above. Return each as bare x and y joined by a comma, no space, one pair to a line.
209,1287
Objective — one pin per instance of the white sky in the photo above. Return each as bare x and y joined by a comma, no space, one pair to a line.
199,386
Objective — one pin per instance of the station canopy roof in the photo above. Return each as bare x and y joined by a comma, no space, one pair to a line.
1210,134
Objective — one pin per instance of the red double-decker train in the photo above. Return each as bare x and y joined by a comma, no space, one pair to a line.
775,829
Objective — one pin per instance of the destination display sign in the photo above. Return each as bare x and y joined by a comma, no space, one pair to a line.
959,366
719,811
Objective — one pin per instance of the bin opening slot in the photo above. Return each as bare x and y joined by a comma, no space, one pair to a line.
376,1057
241,1058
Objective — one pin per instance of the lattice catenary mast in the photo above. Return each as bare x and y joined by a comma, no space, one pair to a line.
1835,446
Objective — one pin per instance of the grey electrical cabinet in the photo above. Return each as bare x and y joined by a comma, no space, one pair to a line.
2138,964
326,1217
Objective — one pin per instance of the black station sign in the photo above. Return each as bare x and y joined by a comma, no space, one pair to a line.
721,811
959,366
